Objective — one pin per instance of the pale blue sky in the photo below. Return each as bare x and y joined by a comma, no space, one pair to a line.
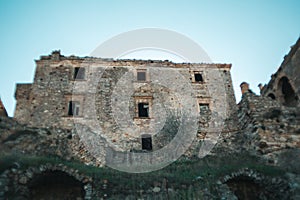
252,35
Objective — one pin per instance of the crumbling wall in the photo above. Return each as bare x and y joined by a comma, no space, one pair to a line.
23,96
284,85
266,128
47,181
46,102
55,142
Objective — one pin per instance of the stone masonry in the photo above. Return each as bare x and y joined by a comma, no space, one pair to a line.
128,100
284,85
3,112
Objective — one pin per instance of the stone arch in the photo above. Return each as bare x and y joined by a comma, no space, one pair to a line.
244,187
287,93
42,181
55,185
78,183
272,96
249,184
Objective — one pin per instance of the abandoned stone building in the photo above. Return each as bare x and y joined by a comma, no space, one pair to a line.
127,99
137,106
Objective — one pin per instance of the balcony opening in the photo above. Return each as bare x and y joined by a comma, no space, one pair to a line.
79,73
143,110
74,108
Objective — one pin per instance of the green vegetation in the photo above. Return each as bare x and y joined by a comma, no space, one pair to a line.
187,177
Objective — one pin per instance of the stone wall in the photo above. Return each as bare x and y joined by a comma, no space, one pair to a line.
46,181
266,128
55,142
277,126
259,127
284,85
107,93
249,184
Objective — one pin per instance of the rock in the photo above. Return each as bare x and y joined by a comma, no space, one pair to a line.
156,189
23,180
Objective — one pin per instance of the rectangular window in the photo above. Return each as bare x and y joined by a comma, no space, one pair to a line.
141,75
147,143
204,108
198,77
79,73
73,109
143,109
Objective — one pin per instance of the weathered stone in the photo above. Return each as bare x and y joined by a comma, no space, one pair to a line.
23,180
46,102
3,112
285,83
265,128
156,189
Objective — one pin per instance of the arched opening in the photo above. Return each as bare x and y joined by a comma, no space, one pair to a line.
289,97
245,188
52,185
272,96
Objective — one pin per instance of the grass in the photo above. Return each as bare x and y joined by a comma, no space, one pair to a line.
187,177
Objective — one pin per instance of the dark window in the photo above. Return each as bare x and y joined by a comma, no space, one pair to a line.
288,93
143,109
141,76
204,108
73,108
272,96
147,143
198,77
79,73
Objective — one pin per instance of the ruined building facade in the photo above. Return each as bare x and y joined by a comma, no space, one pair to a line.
256,157
135,103
284,85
